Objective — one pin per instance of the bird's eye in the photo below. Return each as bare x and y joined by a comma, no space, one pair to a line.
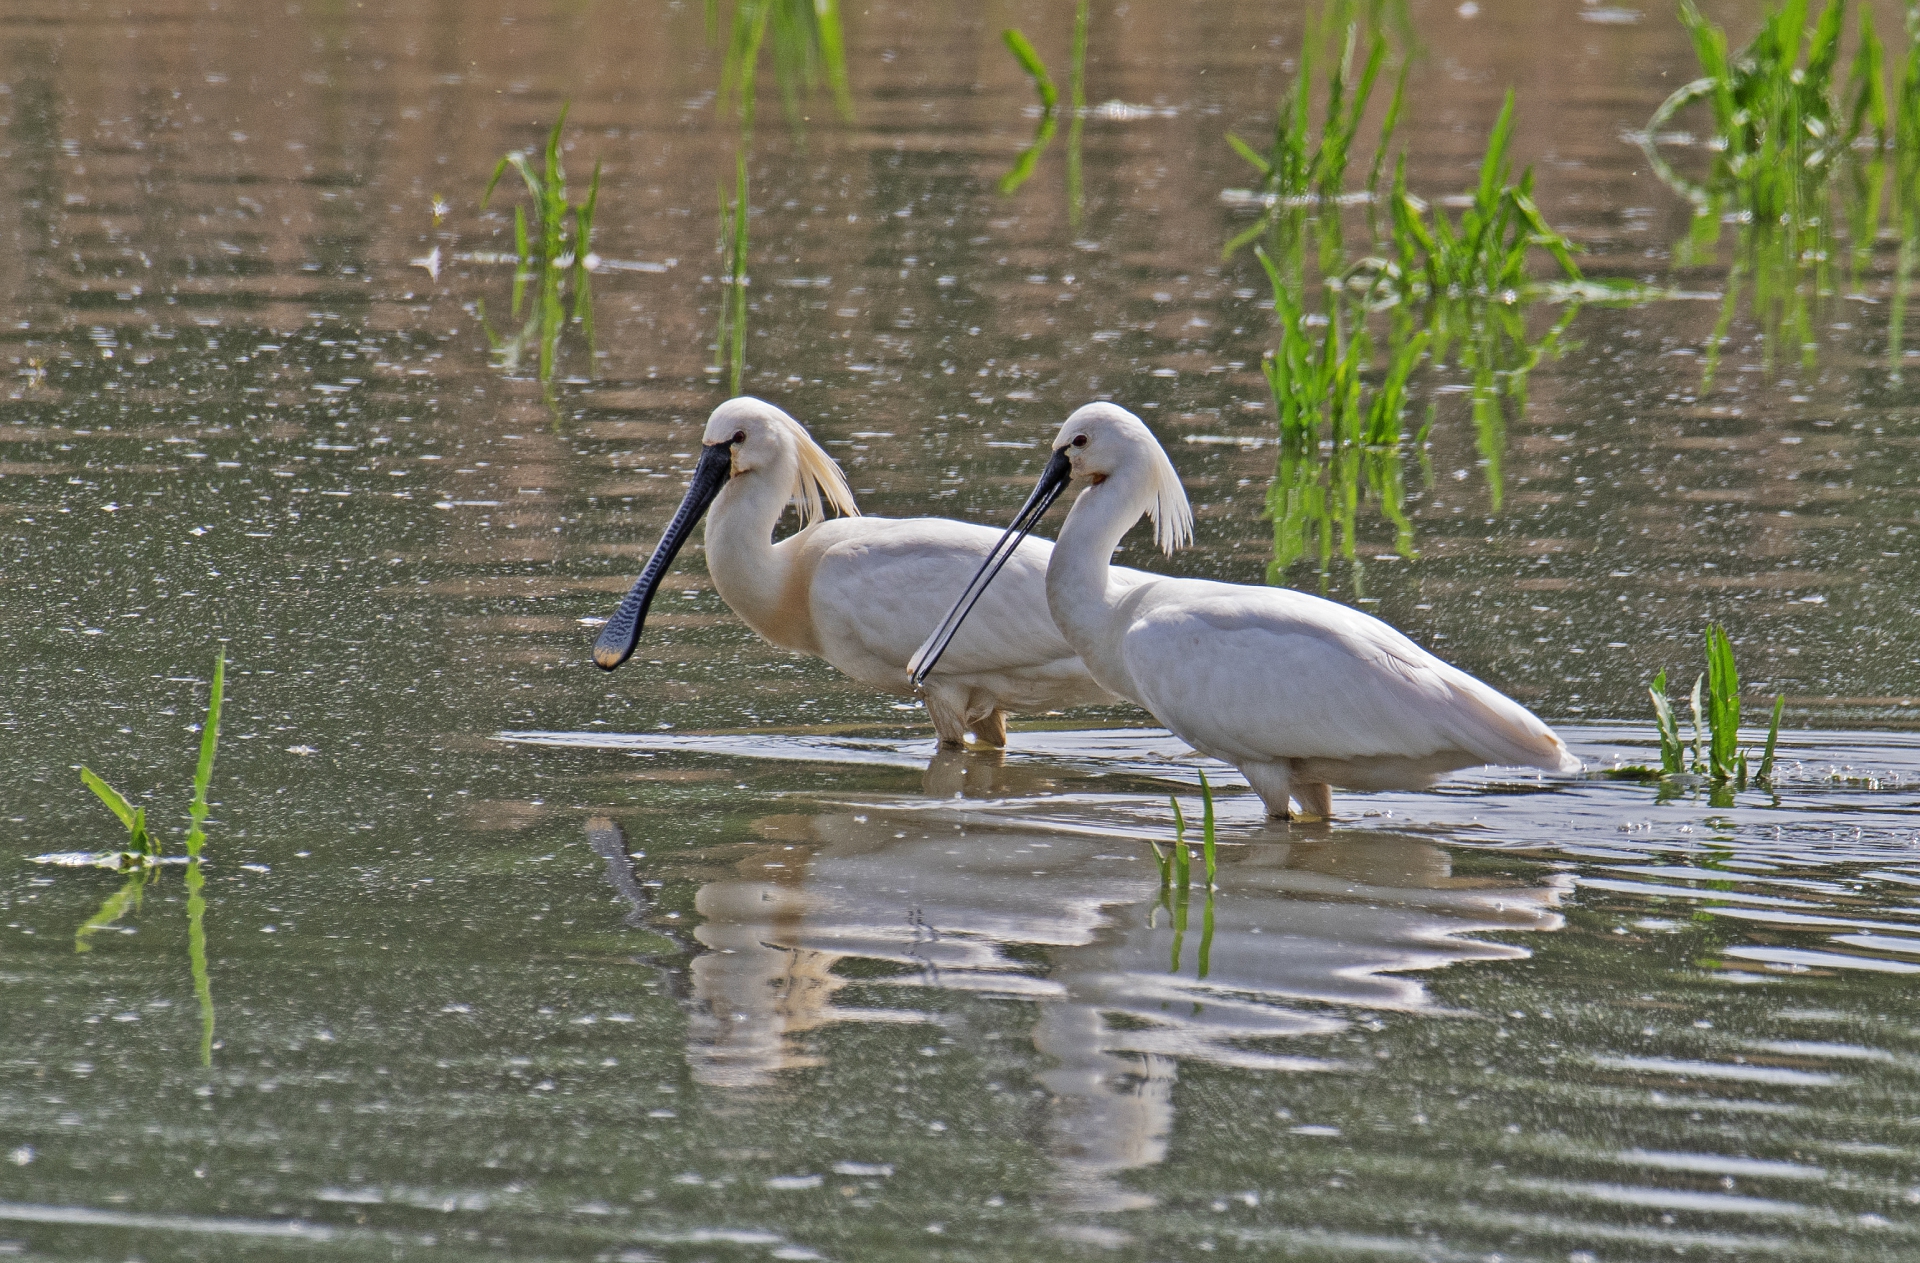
739,436
1079,440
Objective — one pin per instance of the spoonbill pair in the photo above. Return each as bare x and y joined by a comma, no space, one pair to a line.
861,592
1299,693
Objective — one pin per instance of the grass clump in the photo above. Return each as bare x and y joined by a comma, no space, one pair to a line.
549,256
143,855
1485,254
808,44
1714,752
1176,878
1360,318
143,848
1176,863
1799,161
1301,172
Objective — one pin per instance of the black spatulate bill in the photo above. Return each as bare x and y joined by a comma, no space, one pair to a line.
622,631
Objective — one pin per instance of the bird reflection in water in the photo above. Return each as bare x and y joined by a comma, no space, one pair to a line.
951,902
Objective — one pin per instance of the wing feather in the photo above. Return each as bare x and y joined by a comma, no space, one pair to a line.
1266,673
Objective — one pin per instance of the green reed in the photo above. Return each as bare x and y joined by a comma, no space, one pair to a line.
1044,131
808,47
1303,170
1799,151
553,256
1715,752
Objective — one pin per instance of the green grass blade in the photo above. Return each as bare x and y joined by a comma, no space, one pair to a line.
833,51
107,794
209,743
499,169
555,185
1023,166
1205,963
1723,703
1206,831
1672,751
1493,168
1029,60
1252,155
1773,737
1387,127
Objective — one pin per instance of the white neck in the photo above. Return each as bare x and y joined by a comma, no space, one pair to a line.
1079,594
753,575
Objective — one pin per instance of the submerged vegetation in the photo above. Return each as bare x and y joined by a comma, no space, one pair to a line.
548,256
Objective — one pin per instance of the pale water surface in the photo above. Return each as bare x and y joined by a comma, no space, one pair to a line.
717,958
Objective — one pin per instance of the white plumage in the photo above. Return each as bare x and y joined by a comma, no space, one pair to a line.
1301,694
861,592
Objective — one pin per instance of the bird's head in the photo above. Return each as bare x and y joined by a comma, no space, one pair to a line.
744,438
760,438
756,434
1103,441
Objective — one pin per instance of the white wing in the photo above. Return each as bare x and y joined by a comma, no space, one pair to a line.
1267,673
880,585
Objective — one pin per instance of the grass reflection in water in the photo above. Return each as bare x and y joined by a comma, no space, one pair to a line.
808,46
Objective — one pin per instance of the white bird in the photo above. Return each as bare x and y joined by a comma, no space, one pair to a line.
1299,693
861,592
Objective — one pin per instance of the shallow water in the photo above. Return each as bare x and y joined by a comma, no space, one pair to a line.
716,957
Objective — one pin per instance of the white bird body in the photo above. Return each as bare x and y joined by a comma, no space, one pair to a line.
864,592
1299,693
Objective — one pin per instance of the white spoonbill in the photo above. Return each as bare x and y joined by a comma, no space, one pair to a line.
1299,693
860,592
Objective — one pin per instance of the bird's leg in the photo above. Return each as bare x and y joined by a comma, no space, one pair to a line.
947,706
1274,783
991,729
1316,799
